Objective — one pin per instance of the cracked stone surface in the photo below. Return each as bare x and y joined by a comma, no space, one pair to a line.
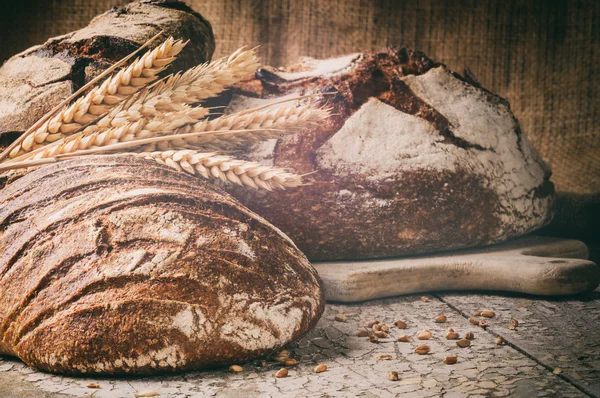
553,352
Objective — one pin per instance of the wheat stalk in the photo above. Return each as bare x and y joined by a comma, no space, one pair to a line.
134,145
285,120
102,99
226,168
125,114
137,143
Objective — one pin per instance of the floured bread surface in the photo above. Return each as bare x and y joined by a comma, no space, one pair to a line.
115,265
416,159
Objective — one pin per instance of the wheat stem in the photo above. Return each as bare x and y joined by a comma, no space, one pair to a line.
145,141
250,127
272,104
127,113
134,143
142,128
102,99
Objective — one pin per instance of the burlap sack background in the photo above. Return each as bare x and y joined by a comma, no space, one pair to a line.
543,56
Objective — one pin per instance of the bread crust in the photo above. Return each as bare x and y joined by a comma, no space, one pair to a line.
118,265
416,159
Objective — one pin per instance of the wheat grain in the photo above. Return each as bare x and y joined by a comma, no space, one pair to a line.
100,100
226,168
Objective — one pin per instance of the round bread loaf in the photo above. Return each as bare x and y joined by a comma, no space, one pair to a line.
36,80
416,159
116,265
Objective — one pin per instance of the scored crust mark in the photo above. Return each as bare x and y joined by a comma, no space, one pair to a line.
404,99
363,76
376,75
7,327
99,48
36,245
89,255
450,138
114,289
89,56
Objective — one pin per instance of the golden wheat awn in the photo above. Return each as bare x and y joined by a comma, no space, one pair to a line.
102,99
226,168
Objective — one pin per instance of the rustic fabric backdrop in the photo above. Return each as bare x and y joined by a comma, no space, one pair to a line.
543,56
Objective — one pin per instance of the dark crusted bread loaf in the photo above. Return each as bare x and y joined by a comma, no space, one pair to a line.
36,80
416,159
113,265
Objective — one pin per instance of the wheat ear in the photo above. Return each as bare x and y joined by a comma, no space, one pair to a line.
208,82
253,126
100,100
226,168
179,90
142,128
285,120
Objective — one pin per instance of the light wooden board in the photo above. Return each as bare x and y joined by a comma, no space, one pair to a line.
532,265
